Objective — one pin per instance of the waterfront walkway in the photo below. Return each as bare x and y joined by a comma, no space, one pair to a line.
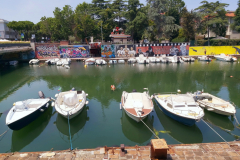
201,151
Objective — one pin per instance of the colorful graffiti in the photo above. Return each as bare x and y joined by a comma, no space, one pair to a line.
78,51
168,49
125,50
47,51
108,51
213,50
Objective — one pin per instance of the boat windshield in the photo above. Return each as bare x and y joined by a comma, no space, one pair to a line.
192,106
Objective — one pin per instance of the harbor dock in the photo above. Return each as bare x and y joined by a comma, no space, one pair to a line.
200,151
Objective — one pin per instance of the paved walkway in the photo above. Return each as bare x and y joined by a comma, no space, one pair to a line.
203,151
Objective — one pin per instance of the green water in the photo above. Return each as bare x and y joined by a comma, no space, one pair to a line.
102,122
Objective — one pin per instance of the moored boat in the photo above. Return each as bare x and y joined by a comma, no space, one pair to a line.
101,62
33,61
70,103
112,61
180,107
90,61
132,60
204,58
226,58
137,105
214,104
24,112
121,61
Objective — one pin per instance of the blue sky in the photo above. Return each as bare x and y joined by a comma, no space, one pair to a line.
33,10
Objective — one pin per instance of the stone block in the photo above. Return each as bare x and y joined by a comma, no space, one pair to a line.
159,148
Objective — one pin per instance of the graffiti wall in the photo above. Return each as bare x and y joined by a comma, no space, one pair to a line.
108,51
125,50
171,49
45,51
76,51
212,50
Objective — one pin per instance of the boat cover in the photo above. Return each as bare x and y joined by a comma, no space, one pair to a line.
181,100
70,99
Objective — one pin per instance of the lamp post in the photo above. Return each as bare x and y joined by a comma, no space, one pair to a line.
101,32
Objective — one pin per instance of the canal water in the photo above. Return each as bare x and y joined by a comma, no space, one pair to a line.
102,122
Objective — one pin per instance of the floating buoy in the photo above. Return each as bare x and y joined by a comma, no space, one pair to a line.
109,66
179,91
85,65
133,64
97,65
113,87
207,62
231,76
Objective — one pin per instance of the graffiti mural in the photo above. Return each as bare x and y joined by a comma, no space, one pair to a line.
44,51
108,51
169,49
213,50
76,51
125,50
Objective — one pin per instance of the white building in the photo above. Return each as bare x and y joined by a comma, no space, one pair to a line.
5,32
231,34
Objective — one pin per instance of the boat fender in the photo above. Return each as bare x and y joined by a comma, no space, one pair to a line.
53,104
120,105
47,105
41,110
41,95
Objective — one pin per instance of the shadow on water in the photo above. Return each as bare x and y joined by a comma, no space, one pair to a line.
218,120
178,131
136,132
76,124
26,135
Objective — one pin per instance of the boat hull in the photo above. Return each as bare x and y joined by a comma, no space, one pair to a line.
185,121
28,119
73,115
137,119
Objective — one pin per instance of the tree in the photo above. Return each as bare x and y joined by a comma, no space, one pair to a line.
85,24
22,27
236,23
15,26
64,22
188,24
213,14
165,24
137,19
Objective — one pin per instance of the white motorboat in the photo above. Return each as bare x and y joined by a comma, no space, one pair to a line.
67,66
33,61
24,112
204,58
163,59
59,63
69,104
186,59
54,61
180,107
158,60
132,60
152,59
224,57
90,61
121,61
175,59
143,60
13,63
112,61
192,59
137,105
101,62
65,61
214,104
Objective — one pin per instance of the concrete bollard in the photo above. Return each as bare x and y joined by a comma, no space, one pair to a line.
159,149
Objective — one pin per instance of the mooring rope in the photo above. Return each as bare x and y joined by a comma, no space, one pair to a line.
220,136
149,129
70,133
236,121
4,132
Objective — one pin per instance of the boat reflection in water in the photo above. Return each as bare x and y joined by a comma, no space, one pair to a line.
76,124
218,120
136,132
24,136
179,131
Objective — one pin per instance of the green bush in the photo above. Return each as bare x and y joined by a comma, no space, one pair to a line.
218,42
177,40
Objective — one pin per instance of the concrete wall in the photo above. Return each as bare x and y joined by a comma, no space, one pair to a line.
47,50
15,45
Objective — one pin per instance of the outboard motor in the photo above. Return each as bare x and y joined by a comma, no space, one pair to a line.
49,62
145,62
41,95
134,90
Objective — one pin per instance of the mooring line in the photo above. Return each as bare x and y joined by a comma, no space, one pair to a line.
220,136
70,133
149,129
4,132
235,117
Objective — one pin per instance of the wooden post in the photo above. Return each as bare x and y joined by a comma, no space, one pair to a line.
159,149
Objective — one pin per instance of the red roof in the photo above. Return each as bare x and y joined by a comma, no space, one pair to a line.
230,14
